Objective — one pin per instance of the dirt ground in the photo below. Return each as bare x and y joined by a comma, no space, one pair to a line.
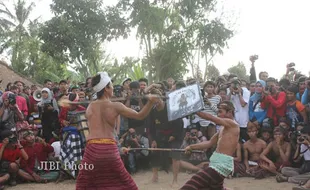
165,179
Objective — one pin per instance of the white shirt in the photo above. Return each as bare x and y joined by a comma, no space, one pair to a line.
56,146
241,113
303,148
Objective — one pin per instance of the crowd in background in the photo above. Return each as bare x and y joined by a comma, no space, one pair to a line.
273,116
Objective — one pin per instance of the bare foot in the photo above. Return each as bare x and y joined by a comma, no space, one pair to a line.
174,185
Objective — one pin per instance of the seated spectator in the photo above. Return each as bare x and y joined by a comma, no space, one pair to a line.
255,110
302,174
238,160
284,123
38,151
195,161
10,153
133,140
276,155
252,150
295,110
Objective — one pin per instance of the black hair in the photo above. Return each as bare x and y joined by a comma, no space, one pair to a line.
228,106
18,81
8,85
209,83
223,89
144,80
55,90
6,134
14,87
47,80
284,83
293,88
180,84
94,81
260,74
165,83
86,81
63,81
271,79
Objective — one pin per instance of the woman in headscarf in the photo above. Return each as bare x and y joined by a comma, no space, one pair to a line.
256,112
49,114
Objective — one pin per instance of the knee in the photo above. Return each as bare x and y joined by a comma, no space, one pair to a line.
14,167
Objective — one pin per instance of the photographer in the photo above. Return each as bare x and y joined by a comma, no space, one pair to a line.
9,111
240,97
135,102
133,140
195,161
274,101
302,174
11,151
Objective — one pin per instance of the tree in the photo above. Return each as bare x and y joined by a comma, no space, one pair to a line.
212,72
77,31
160,22
13,29
239,70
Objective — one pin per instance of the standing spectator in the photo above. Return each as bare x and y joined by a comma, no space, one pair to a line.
240,97
143,84
49,114
274,101
295,110
170,82
20,101
256,113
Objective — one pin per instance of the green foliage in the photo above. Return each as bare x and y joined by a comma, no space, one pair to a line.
136,72
212,72
182,25
76,32
239,70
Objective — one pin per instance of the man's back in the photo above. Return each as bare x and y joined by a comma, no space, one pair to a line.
101,116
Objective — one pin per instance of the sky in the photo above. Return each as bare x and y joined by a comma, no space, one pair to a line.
276,30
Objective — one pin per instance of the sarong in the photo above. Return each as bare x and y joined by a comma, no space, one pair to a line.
212,177
108,171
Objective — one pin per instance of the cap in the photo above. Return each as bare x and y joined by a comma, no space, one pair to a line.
126,79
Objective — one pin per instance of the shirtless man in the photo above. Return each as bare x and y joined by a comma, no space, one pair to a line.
252,150
222,161
280,149
108,171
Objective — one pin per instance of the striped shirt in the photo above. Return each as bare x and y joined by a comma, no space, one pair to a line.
215,100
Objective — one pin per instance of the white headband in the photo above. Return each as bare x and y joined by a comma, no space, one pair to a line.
104,80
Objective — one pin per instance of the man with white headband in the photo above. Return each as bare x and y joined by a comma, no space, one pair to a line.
108,171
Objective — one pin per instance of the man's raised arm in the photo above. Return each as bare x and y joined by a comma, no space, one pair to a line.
219,121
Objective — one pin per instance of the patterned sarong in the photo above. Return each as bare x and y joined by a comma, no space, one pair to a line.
206,179
108,171
212,177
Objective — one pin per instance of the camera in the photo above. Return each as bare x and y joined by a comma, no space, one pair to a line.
253,57
12,99
193,134
133,136
301,139
12,140
118,91
269,88
46,105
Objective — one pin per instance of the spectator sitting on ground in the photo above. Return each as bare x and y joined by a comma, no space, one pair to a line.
195,161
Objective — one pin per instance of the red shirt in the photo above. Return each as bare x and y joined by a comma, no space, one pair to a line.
37,152
276,106
10,155
64,113
22,105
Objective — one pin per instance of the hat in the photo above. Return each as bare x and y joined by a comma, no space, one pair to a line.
126,79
